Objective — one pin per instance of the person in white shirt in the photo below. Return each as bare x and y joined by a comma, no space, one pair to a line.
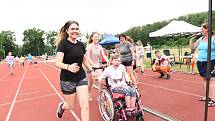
16,60
116,74
148,49
140,55
10,60
162,65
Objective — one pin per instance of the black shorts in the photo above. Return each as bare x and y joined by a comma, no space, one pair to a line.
69,87
202,68
128,63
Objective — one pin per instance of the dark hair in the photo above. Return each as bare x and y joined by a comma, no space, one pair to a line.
122,35
63,34
90,38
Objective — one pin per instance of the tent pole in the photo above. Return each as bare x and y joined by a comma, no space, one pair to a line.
179,60
180,49
208,75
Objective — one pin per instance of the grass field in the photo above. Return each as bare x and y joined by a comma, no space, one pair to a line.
177,67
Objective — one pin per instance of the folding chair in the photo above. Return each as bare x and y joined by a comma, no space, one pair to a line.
171,56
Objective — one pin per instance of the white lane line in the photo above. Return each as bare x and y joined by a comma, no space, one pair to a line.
200,82
152,85
171,90
26,93
59,70
14,99
33,92
28,99
4,76
72,112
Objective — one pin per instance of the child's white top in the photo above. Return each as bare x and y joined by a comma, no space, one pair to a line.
10,59
116,76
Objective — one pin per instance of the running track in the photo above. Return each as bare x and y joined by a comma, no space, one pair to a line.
33,94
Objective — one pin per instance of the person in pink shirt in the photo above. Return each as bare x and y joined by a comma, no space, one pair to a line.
93,53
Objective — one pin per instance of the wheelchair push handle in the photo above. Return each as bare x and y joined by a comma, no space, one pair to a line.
95,68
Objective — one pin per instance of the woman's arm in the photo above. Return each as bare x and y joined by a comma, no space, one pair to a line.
59,61
70,67
102,79
86,63
193,45
132,53
90,62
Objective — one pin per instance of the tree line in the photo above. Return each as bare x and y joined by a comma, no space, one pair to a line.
38,42
142,32
35,42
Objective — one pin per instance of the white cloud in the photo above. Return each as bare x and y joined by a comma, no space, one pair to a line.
110,16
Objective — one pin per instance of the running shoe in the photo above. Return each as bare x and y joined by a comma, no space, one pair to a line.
60,110
211,103
161,75
167,77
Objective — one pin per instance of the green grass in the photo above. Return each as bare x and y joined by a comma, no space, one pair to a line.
176,67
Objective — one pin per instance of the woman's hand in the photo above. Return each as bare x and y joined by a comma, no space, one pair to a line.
74,68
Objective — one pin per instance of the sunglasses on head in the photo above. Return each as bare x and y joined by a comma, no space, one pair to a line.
205,26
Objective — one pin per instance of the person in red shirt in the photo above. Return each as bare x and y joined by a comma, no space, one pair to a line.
102,58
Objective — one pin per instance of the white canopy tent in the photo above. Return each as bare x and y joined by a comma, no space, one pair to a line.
175,27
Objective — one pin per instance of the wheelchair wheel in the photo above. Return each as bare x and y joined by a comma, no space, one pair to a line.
106,106
139,113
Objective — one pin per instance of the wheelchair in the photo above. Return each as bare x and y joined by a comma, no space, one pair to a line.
111,104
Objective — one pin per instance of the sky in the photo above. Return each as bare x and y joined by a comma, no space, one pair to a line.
105,16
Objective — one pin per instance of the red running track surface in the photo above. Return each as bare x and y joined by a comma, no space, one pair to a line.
33,94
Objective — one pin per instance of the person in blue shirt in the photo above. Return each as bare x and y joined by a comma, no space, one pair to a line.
30,58
202,45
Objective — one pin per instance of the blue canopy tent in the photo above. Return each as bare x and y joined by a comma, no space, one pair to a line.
109,40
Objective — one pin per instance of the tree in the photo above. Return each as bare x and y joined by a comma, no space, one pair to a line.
142,32
33,42
7,42
50,42
50,37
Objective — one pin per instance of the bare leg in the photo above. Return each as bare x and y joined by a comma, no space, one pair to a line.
90,82
128,102
69,103
133,100
82,92
129,70
212,88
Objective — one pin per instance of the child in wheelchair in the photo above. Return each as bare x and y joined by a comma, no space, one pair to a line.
117,81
